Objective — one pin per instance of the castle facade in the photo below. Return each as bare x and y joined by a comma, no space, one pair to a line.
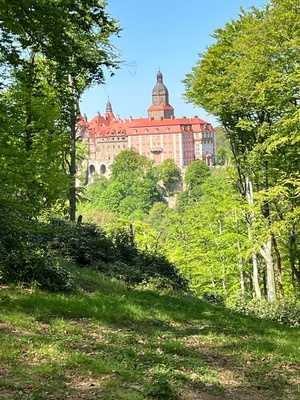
159,137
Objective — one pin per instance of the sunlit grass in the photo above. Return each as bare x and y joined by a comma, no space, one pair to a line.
113,343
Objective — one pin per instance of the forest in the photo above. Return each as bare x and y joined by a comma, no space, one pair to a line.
229,232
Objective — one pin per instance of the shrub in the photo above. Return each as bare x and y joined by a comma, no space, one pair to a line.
30,254
36,267
286,311
82,243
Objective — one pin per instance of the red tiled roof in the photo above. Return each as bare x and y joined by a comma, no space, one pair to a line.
161,107
104,125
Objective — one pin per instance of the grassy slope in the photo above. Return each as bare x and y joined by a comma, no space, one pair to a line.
114,343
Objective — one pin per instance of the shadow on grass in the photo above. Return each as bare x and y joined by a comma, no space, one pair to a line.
100,343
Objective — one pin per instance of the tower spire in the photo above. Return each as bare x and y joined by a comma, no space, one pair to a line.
108,107
160,107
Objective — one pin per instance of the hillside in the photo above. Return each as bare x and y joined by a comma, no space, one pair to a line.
108,342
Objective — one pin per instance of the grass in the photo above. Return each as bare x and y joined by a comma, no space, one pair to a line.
108,342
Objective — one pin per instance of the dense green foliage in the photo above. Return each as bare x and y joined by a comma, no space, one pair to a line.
286,312
40,254
132,188
249,79
224,153
51,51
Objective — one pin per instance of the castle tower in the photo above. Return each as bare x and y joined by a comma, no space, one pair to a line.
160,107
109,112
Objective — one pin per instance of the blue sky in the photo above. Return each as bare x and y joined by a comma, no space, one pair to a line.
159,34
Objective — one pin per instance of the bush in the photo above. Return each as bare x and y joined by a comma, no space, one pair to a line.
82,243
286,311
214,298
25,257
145,270
36,267
29,253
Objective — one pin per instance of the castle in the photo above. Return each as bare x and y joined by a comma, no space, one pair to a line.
159,137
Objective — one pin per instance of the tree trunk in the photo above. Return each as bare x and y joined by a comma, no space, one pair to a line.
279,267
292,251
255,271
30,85
255,275
73,119
266,252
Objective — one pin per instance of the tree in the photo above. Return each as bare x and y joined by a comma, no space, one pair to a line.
207,240
223,146
170,174
72,40
130,164
132,188
196,174
254,94
33,147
